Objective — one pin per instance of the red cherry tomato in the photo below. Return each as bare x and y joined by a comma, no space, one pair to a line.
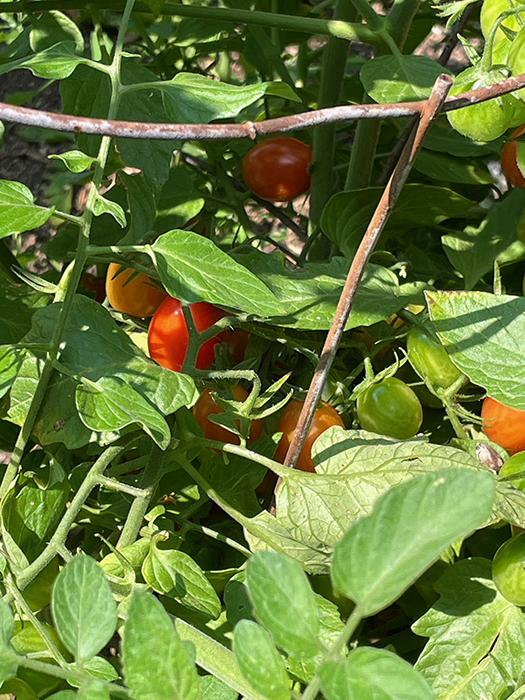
94,284
324,418
168,335
237,341
504,425
140,296
509,160
277,168
206,406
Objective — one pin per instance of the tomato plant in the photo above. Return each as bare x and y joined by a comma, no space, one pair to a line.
509,160
324,417
207,406
390,407
508,570
138,295
168,335
277,169
504,425
430,359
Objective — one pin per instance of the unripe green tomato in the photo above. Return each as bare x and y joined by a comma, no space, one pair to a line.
430,359
508,570
515,464
390,408
484,121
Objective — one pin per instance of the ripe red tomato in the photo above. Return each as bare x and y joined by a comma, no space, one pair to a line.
277,168
141,296
94,284
168,335
509,160
324,418
504,425
237,341
206,405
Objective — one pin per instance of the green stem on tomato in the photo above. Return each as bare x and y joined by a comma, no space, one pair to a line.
332,77
75,272
149,480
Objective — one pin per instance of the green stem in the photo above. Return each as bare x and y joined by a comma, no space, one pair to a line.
308,25
211,533
40,628
56,543
486,61
350,627
76,271
332,77
148,483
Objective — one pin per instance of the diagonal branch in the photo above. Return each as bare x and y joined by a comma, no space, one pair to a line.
366,247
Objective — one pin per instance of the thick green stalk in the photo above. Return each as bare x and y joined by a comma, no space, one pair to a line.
359,173
148,483
332,76
308,25
76,271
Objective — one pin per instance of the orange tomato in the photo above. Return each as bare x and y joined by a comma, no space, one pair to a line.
324,418
509,160
504,425
140,296
207,406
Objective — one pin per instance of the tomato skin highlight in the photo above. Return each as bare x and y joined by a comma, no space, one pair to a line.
277,169
504,425
390,407
509,160
324,417
206,406
139,297
430,359
508,570
168,335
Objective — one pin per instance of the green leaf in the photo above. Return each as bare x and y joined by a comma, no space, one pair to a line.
212,688
190,98
441,137
94,347
142,202
31,513
106,206
443,167
84,610
193,268
346,216
483,334
179,201
51,28
94,690
111,404
8,660
283,602
18,212
475,635
175,574
76,161
10,363
373,674
400,78
383,554
56,62
473,251
155,662
311,296
259,661
152,156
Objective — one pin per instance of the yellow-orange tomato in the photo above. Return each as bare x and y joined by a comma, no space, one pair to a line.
324,418
509,160
206,406
504,425
140,296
